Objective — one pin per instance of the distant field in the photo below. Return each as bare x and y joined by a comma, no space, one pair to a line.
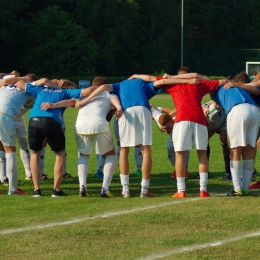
218,227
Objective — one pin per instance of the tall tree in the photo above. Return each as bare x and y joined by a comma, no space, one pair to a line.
59,45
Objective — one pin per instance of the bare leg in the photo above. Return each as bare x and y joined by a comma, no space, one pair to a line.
59,170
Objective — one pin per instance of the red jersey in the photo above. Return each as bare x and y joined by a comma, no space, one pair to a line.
187,99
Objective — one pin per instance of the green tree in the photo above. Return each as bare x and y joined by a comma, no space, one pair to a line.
58,46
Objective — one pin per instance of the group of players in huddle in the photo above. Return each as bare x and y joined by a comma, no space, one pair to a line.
232,112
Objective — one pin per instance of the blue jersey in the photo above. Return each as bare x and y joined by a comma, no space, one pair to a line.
134,92
52,95
228,98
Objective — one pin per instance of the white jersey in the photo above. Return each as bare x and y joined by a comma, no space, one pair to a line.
92,117
12,100
26,107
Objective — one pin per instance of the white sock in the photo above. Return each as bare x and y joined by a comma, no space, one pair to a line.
145,185
109,169
42,160
203,181
125,182
181,186
248,168
236,171
2,166
11,170
25,157
138,157
82,170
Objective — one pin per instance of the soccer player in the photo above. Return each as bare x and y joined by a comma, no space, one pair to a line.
11,102
242,129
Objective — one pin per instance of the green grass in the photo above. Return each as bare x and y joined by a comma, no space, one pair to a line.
134,228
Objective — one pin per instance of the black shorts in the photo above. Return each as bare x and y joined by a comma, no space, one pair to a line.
45,127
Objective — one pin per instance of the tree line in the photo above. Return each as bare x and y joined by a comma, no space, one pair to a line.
119,37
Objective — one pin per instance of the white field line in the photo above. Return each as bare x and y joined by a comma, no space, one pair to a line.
105,215
201,246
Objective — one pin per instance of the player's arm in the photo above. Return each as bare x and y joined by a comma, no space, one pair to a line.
257,77
3,74
116,103
252,87
189,76
143,77
63,103
173,81
12,80
98,90
46,82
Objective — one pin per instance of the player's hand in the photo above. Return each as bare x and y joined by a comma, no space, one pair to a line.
228,85
166,76
78,104
47,105
118,113
194,81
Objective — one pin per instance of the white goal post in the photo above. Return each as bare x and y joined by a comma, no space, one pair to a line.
252,67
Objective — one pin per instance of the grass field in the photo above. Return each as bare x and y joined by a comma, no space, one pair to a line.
71,227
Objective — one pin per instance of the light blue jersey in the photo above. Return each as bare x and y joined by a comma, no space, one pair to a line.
52,95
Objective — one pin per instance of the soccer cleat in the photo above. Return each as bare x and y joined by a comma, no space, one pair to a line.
138,173
105,194
17,192
125,194
99,174
37,193
83,192
179,195
147,194
28,178
253,178
5,182
227,177
44,177
237,193
59,193
204,194
66,175
254,186
186,174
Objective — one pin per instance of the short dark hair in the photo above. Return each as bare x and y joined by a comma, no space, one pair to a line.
164,119
183,70
98,81
241,77
31,77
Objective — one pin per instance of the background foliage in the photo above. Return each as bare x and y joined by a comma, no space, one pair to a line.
122,37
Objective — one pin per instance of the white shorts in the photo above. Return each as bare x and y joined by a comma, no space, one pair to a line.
185,133
20,127
7,130
242,125
135,127
103,143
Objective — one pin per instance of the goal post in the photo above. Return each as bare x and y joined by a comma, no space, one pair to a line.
252,67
